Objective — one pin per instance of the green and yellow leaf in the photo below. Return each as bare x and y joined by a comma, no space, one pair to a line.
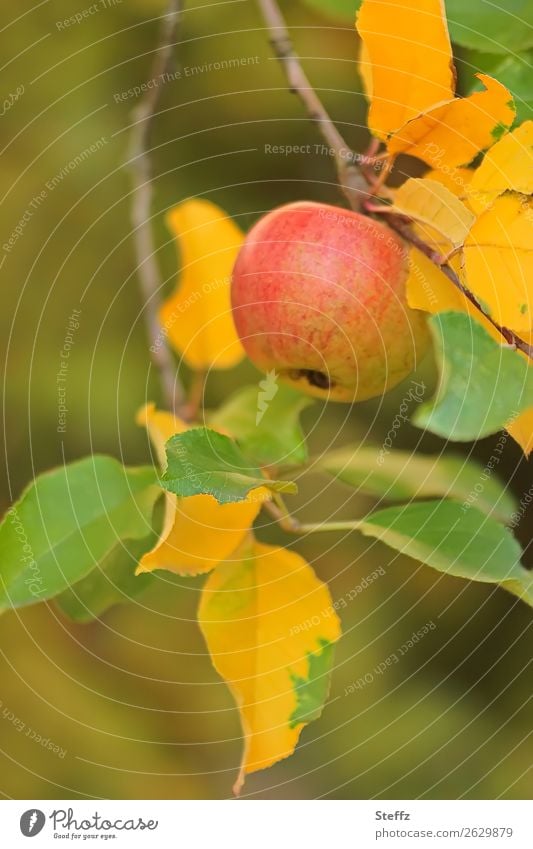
198,532
498,261
270,625
452,133
508,165
197,318
464,543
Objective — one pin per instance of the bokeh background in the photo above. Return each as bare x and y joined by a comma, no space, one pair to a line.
132,700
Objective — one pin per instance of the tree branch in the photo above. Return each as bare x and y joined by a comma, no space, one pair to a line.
147,267
403,229
355,182
350,179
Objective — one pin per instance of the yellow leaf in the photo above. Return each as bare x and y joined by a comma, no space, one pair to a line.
454,179
197,317
507,165
365,70
431,203
198,532
498,261
452,133
269,625
410,60
521,429
429,289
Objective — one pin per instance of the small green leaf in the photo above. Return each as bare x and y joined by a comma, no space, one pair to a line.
454,540
265,422
482,25
112,582
204,462
399,476
67,522
312,692
483,385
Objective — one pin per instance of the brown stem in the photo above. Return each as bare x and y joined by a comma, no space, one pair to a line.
194,405
349,176
147,267
403,228
281,515
355,182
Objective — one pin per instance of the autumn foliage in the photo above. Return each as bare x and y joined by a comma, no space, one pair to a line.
466,227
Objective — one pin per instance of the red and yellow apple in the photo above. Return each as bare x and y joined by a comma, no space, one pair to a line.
318,296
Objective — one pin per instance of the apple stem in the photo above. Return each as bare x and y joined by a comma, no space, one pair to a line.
351,181
141,212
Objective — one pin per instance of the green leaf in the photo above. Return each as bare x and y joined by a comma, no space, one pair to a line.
483,385
459,542
204,462
112,582
490,28
515,72
312,692
265,422
399,476
339,10
67,522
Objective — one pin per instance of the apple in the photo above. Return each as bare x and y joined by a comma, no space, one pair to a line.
318,296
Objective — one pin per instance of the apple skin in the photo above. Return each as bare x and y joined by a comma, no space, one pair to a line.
318,296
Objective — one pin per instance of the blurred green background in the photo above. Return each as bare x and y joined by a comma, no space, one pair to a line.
132,699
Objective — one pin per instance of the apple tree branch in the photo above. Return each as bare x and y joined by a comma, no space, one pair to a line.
349,176
147,266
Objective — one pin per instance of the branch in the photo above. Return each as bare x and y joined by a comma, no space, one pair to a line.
147,268
403,229
354,181
349,176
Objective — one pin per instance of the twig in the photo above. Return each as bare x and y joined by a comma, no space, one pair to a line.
290,525
147,267
353,180
349,176
281,515
404,230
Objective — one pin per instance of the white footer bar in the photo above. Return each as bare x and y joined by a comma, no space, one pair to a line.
268,825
